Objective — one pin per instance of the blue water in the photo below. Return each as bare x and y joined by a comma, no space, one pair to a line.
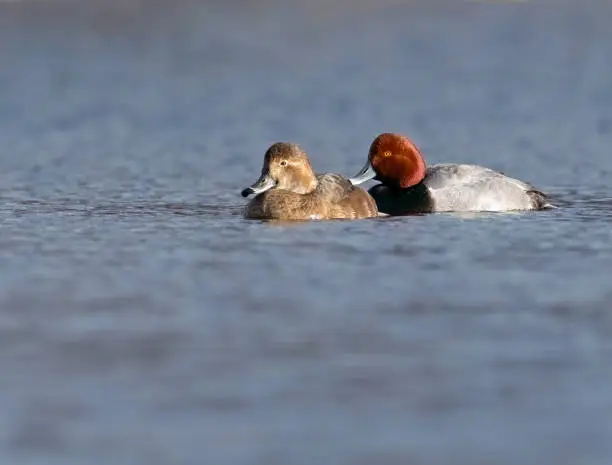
143,321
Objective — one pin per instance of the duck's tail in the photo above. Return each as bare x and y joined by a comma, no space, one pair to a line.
540,200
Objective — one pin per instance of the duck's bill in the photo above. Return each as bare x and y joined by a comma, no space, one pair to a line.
366,173
264,183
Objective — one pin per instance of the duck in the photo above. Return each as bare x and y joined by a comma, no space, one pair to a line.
289,189
408,185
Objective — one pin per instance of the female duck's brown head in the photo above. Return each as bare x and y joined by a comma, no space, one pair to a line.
393,160
286,166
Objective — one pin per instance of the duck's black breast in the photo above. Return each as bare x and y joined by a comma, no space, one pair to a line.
395,201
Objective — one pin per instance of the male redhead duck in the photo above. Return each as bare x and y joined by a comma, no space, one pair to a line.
409,186
288,189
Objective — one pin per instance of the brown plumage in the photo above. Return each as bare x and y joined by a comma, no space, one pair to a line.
288,189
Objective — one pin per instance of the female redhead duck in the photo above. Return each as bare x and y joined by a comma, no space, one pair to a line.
288,189
408,186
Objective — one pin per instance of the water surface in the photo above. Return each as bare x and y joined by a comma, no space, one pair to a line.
143,321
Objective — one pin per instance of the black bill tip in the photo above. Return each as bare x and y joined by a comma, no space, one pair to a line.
247,191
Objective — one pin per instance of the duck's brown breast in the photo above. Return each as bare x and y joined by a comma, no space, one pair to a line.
334,198
280,204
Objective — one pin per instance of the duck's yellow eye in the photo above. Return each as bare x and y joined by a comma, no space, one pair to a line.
283,163
387,153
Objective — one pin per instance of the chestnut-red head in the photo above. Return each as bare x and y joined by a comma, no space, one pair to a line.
393,160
